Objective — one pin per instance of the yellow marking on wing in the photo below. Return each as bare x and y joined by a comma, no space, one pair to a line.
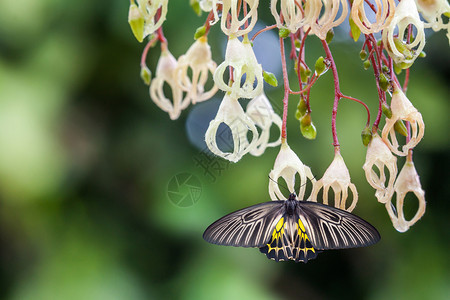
304,237
276,235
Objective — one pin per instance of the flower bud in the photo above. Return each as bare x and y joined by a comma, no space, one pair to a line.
270,78
320,66
366,136
146,75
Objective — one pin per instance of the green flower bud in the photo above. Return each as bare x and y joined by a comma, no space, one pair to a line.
366,136
270,78
284,32
386,110
422,54
397,68
301,108
146,75
307,127
403,48
330,36
354,29
385,69
303,74
136,21
297,43
363,54
320,66
200,32
366,64
384,82
400,127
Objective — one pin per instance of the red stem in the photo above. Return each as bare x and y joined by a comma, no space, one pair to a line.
337,93
286,91
262,30
145,52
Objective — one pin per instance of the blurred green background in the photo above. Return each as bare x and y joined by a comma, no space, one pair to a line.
86,159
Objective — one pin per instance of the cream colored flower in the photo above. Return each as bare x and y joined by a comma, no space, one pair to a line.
231,114
287,165
402,109
147,11
407,181
292,12
336,177
234,26
432,11
197,60
208,5
383,16
397,48
322,15
240,56
379,156
165,73
262,114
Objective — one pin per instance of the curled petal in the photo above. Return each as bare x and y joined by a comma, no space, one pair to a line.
262,114
402,109
322,15
383,16
211,5
401,51
231,113
336,177
379,156
240,56
148,11
432,11
231,26
287,165
198,59
293,14
407,181
165,73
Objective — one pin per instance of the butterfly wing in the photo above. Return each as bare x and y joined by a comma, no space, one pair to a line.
332,228
289,241
247,227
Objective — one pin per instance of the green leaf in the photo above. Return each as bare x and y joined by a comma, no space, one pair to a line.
270,78
354,29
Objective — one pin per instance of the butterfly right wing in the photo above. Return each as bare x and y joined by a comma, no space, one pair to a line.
248,227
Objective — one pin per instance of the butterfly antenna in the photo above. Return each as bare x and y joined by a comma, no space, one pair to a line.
283,186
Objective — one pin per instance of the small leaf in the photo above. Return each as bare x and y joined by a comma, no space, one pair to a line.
354,29
200,32
270,78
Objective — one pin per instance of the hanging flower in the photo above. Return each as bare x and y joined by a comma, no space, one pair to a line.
402,51
432,11
402,109
287,165
165,73
379,156
293,14
322,15
198,59
263,115
231,114
231,26
407,181
383,16
336,177
143,15
208,5
240,56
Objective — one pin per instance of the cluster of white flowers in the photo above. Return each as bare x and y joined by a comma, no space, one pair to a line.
241,76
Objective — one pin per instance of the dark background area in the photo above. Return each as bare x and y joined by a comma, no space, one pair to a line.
86,159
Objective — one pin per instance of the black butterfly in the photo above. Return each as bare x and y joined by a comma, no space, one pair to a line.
291,229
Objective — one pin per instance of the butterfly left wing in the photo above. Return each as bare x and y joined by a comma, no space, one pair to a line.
247,227
332,228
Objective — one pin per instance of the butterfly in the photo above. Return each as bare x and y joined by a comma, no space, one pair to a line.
291,229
